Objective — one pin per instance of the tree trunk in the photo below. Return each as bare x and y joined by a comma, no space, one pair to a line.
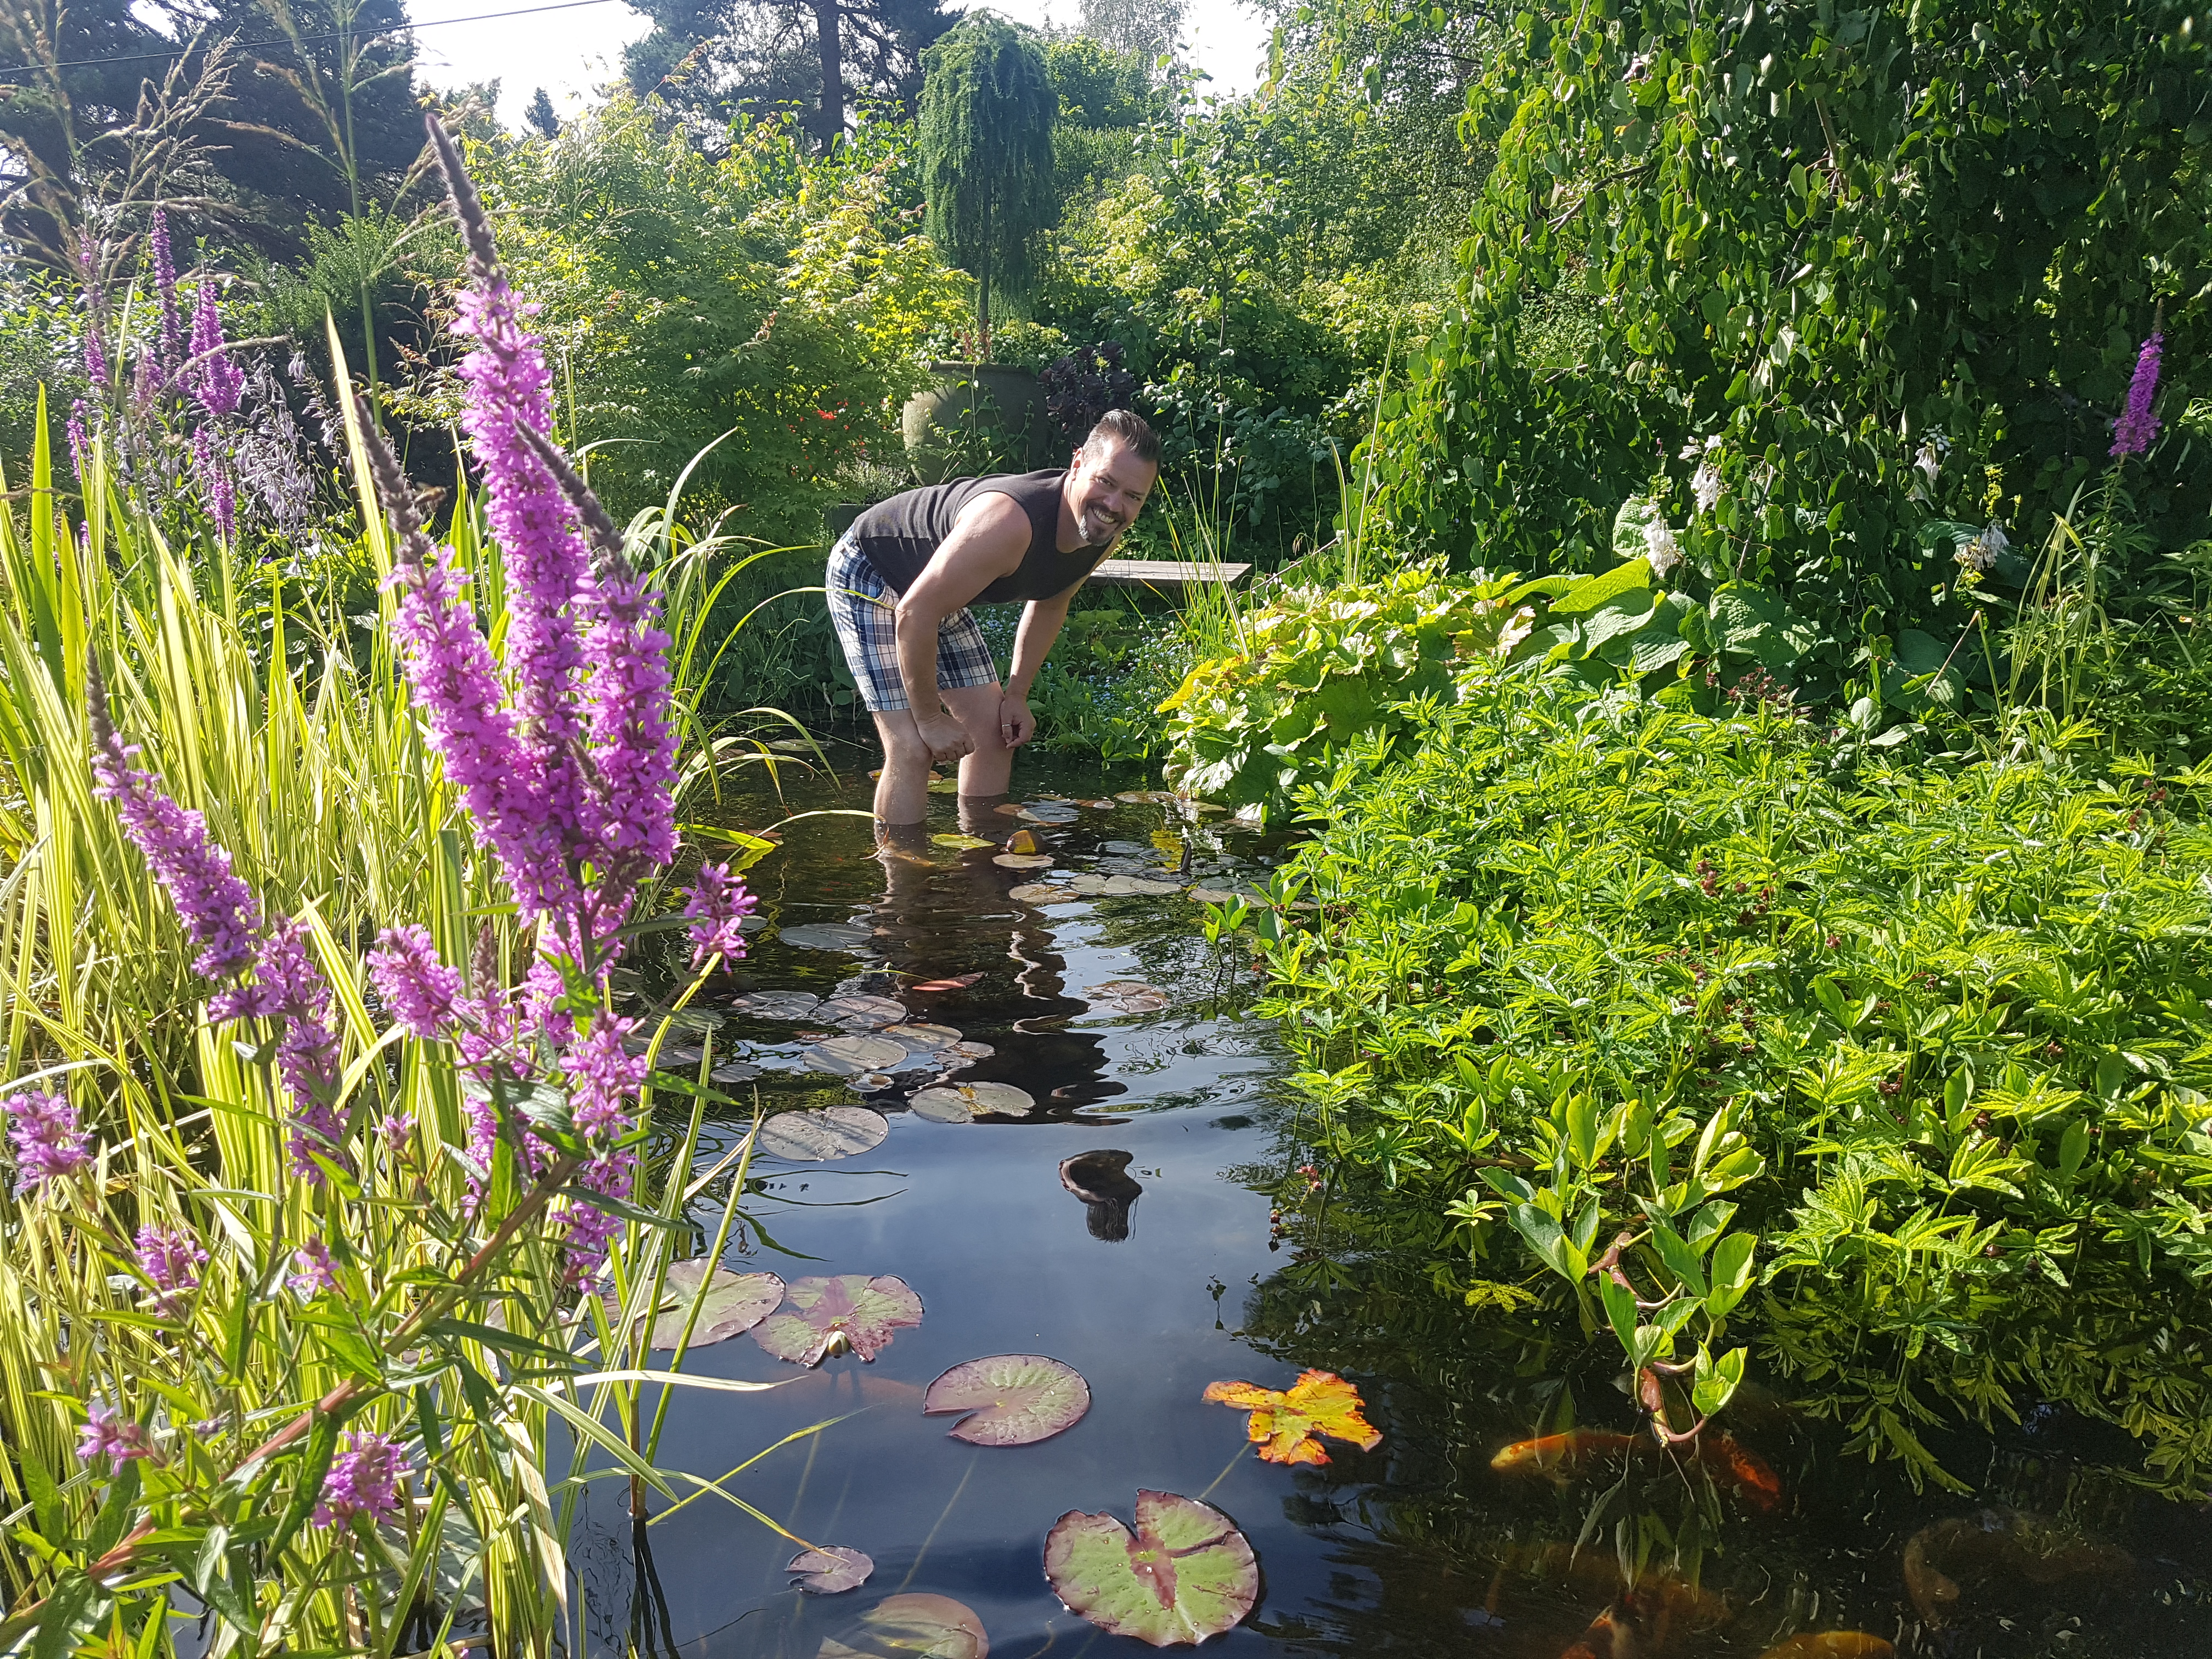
832,118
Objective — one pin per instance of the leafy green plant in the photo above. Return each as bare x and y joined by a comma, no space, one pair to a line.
1567,948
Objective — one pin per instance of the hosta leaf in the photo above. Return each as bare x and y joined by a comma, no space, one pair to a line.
1287,1425
849,1313
1186,1573
734,1303
1017,1399
930,1626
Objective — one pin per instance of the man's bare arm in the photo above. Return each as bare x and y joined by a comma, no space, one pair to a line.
988,542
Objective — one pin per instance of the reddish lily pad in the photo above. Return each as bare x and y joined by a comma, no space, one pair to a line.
957,982
1017,1399
850,1312
929,1626
1287,1425
1186,1574
831,1571
734,1303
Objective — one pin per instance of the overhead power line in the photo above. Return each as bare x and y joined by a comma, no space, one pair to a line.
287,40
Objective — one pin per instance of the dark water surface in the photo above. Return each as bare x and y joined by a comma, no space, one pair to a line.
1420,1547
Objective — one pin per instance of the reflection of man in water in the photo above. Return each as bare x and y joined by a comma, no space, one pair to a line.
901,582
941,920
1102,1180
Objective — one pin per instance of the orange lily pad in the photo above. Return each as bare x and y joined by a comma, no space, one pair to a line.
1287,1424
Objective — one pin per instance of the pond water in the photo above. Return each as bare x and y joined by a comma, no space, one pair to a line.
1195,1252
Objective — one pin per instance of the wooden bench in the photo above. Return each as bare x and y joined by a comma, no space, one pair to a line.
1166,573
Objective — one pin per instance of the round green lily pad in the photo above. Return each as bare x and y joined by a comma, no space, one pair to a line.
1186,1573
815,1137
928,1626
734,1304
1016,1399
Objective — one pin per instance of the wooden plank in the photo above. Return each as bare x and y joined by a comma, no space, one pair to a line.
1165,573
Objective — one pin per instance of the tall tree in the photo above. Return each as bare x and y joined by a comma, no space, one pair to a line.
723,61
988,111
1151,28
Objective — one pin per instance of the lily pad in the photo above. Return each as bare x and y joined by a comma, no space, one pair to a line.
1024,860
966,1052
1143,797
861,1013
1226,895
1048,815
1017,1399
965,843
831,1571
1089,883
1186,1574
1105,805
1007,808
849,1313
922,1039
849,1056
815,1137
777,1004
1042,892
734,1303
791,746
972,1100
827,936
928,1627
734,1071
1287,1424
1127,996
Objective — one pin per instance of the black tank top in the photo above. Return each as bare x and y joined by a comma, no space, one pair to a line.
902,535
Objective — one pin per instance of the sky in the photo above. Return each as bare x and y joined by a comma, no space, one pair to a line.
570,52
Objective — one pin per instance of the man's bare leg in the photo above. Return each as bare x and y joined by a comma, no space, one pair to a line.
902,790
986,769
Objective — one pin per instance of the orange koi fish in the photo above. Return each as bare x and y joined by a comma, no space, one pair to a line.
1610,1635
1555,1455
1831,1645
1731,1461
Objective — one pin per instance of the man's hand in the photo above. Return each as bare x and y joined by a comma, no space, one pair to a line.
1017,726
945,737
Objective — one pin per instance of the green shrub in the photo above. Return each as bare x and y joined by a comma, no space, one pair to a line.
1580,965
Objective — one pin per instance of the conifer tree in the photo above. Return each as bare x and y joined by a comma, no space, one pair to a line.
988,112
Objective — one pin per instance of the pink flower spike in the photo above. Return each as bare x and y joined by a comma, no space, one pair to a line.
718,905
2133,432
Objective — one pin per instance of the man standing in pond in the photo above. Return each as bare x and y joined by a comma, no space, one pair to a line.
903,577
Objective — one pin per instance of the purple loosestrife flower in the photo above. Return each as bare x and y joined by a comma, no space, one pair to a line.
604,1077
2137,426
217,381
626,697
457,684
80,441
398,1129
288,986
215,907
95,354
105,1435
164,291
718,905
312,1272
590,1230
49,1144
221,496
420,990
509,390
363,1480
171,1258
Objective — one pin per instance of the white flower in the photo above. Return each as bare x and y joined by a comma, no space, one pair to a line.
1705,485
1665,551
1697,448
1981,553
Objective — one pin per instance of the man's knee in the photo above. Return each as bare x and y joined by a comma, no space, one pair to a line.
902,744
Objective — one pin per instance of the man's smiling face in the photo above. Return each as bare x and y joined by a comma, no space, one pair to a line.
1108,485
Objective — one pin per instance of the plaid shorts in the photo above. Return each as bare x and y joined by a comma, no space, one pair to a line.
860,609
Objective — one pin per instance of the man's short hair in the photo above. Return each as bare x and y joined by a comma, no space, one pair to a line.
1127,427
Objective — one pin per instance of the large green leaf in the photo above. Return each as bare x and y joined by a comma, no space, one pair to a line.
1185,1574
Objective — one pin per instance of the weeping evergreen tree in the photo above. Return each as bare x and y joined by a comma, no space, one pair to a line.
988,109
